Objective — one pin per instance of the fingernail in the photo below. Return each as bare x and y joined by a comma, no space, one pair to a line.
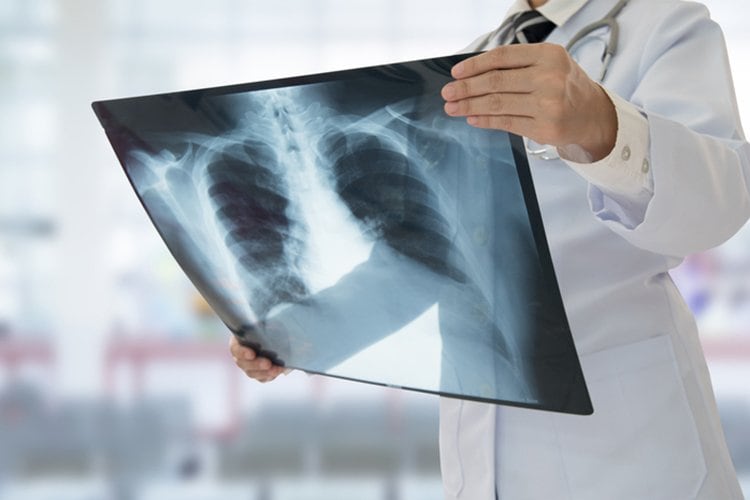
451,107
249,355
449,91
458,69
472,120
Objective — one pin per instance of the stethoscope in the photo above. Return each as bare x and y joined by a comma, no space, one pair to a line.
610,49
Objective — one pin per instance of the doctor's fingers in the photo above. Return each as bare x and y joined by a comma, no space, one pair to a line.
265,375
260,369
256,367
240,351
495,104
537,130
504,57
498,80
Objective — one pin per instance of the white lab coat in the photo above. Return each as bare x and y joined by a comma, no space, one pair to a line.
655,433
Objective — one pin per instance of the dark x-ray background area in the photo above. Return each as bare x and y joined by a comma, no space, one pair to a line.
342,224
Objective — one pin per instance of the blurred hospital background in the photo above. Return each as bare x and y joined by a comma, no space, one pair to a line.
115,379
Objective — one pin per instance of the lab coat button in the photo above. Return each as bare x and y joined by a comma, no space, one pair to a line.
625,155
645,166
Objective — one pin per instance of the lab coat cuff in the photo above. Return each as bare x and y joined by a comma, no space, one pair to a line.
626,171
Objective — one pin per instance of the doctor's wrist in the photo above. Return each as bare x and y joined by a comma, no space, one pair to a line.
600,136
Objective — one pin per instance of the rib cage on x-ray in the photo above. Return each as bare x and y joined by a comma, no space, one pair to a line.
387,191
249,183
251,203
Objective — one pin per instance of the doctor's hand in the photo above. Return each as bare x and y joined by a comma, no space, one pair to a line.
537,91
258,368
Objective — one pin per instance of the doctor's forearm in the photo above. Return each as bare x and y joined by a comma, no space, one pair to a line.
598,139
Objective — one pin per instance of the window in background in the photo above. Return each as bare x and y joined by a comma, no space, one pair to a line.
28,136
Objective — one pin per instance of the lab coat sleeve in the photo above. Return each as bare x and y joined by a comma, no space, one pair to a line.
699,158
624,176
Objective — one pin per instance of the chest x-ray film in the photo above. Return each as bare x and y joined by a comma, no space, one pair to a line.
343,224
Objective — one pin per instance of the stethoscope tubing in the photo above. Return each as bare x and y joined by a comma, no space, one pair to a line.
608,21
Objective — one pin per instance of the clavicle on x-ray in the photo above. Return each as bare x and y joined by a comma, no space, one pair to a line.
342,224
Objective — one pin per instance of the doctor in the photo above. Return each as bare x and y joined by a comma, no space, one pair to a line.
633,172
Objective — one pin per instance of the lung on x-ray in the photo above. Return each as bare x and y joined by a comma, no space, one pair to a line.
343,224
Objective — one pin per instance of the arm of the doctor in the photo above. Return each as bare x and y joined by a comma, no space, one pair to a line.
697,193
676,179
